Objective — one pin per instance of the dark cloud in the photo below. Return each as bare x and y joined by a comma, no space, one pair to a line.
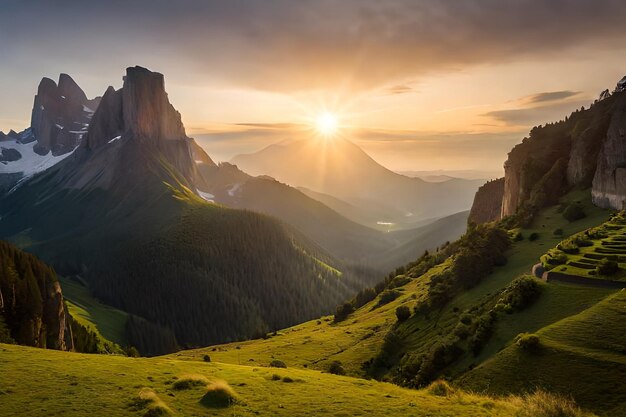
295,45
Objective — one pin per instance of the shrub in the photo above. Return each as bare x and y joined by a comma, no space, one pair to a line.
275,377
544,404
573,212
364,296
399,281
388,296
206,358
528,341
189,381
131,352
336,368
218,395
607,267
558,232
277,364
533,236
343,311
440,388
287,379
403,313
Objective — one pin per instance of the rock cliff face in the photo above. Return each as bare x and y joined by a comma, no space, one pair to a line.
487,206
609,182
140,113
31,301
60,114
586,150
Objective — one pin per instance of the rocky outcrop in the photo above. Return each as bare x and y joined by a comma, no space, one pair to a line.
60,115
487,206
586,150
31,301
609,181
140,113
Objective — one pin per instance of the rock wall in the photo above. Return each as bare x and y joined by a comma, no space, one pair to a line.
589,147
60,114
487,206
609,181
31,301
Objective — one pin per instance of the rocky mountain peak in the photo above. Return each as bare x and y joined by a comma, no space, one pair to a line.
60,115
147,111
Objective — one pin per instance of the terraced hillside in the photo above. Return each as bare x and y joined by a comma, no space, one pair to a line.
583,355
108,385
596,253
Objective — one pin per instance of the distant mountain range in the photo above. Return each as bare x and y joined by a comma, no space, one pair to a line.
340,169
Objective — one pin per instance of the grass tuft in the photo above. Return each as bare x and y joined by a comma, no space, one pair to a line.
441,388
189,381
543,404
219,395
149,400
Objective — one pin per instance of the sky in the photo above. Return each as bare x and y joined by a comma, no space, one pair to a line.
420,85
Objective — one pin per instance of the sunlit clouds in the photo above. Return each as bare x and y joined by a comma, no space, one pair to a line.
475,70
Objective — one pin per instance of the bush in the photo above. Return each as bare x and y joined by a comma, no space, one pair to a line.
403,313
277,364
131,352
607,267
388,296
206,358
533,236
343,311
528,341
558,232
219,395
573,212
336,368
440,388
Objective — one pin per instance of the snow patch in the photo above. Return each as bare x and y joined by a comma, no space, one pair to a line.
234,189
31,162
206,196
115,138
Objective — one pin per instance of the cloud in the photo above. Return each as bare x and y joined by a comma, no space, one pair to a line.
536,115
551,96
285,45
399,89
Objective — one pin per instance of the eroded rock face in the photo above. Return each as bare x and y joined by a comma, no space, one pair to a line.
141,112
609,182
487,206
589,147
60,115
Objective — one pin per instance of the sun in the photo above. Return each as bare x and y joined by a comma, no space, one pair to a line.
326,124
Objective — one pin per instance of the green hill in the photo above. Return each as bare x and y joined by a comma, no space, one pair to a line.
108,385
485,316
583,355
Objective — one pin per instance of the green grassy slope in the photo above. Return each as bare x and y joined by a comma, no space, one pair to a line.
583,355
107,385
359,338
106,321
315,344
